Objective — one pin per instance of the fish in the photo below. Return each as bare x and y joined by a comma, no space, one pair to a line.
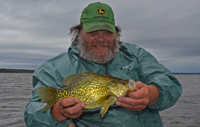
95,90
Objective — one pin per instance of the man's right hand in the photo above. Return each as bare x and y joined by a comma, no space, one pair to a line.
66,108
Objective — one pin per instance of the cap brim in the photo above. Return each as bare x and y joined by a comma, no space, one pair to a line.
94,26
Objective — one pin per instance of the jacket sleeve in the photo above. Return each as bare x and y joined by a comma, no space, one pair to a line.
33,115
154,73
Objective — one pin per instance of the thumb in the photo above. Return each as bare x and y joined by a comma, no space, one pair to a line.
139,85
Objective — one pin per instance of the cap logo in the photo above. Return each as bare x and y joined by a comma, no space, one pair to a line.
101,11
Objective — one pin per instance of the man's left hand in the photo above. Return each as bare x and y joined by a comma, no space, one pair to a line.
137,101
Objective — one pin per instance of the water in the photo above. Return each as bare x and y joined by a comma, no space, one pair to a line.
15,91
186,112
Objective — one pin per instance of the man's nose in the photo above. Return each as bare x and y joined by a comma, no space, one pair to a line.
101,37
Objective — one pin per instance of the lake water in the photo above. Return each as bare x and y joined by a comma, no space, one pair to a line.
16,89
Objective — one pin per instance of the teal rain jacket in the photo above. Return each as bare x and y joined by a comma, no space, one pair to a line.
131,62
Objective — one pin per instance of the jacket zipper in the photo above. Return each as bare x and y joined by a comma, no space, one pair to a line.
106,66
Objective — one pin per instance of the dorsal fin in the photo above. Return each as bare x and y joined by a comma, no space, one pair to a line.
73,79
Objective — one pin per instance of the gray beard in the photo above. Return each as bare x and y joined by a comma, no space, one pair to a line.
88,54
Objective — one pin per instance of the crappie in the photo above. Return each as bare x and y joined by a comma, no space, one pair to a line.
95,90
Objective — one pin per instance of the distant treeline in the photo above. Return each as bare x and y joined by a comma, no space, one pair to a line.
4,70
186,73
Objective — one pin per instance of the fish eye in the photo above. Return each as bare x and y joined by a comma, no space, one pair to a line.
122,82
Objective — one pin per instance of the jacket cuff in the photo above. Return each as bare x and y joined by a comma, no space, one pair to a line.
159,102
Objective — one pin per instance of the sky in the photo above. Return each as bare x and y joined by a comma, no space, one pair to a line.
33,31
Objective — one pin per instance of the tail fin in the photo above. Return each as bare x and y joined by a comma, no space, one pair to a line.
48,95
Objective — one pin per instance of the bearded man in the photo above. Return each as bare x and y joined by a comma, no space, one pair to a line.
97,48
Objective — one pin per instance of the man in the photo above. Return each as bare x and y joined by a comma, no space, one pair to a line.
96,48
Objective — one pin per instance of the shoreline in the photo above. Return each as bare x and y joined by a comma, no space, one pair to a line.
5,70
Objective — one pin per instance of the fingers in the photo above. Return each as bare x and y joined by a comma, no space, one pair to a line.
70,113
73,110
68,102
69,109
131,101
136,108
139,85
142,91
131,104
137,100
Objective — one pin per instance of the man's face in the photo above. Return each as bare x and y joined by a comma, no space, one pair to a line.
99,46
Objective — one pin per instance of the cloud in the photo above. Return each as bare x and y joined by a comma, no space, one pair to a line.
32,32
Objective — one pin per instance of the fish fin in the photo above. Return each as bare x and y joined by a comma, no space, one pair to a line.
72,79
103,110
106,105
48,95
102,99
49,105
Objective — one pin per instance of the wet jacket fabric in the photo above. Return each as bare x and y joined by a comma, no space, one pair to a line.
131,62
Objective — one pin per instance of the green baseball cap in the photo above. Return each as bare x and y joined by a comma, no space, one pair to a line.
98,16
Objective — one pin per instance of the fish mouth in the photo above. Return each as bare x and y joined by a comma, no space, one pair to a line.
131,85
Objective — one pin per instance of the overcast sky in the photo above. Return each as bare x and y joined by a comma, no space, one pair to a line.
33,31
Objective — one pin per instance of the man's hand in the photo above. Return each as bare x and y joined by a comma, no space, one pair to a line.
66,108
137,101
